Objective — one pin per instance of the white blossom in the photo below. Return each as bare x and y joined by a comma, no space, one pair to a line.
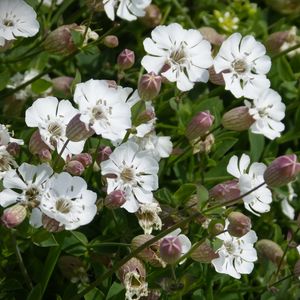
68,201
51,2
7,162
52,117
236,255
6,138
245,65
17,18
186,53
267,110
249,178
132,171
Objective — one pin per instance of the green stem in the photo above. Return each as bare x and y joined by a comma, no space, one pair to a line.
286,51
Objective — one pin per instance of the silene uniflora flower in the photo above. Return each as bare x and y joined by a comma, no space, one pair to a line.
245,63
128,10
7,161
17,18
25,186
267,110
105,108
249,178
237,254
52,117
132,171
68,201
6,137
185,52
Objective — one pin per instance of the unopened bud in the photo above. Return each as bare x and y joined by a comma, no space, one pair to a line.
204,253
239,224
149,86
111,41
152,16
45,155
85,159
211,35
237,119
13,216
216,78
276,40
126,59
224,192
150,254
13,149
62,85
103,154
115,199
77,130
74,167
282,170
170,249
36,144
199,125
216,227
51,225
269,250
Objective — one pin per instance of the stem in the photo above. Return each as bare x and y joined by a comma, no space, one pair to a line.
60,153
286,51
20,261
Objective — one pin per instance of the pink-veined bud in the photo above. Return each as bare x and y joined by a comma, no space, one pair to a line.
282,170
149,86
13,216
276,40
269,250
126,59
36,144
115,199
103,154
226,191
216,227
45,155
13,149
77,130
204,253
74,167
152,16
199,125
85,159
111,41
62,85
237,119
211,35
297,268
216,78
239,224
51,225
170,249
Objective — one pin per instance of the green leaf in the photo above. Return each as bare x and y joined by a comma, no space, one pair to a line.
284,69
35,293
202,194
4,79
94,294
40,86
43,238
164,195
184,193
114,290
257,145
224,145
77,37
80,237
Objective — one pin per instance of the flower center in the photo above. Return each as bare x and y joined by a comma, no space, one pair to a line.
127,175
97,113
55,129
178,55
63,206
239,66
264,111
31,194
229,247
8,23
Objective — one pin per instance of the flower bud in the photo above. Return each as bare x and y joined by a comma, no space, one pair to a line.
51,225
150,254
225,191
149,86
126,59
13,216
74,167
45,155
211,35
77,130
239,224
111,41
85,159
216,78
282,170
103,154
216,227
199,125
133,276
36,144
237,119
152,16
115,199
13,149
204,253
269,250
170,249
276,40
297,268
62,85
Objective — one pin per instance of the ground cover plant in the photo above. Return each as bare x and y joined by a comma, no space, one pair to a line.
149,149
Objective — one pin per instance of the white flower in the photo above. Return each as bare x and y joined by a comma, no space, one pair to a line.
249,178
236,255
127,9
17,18
6,162
135,173
26,185
5,137
286,207
105,108
68,201
267,110
245,63
52,117
185,51
50,2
